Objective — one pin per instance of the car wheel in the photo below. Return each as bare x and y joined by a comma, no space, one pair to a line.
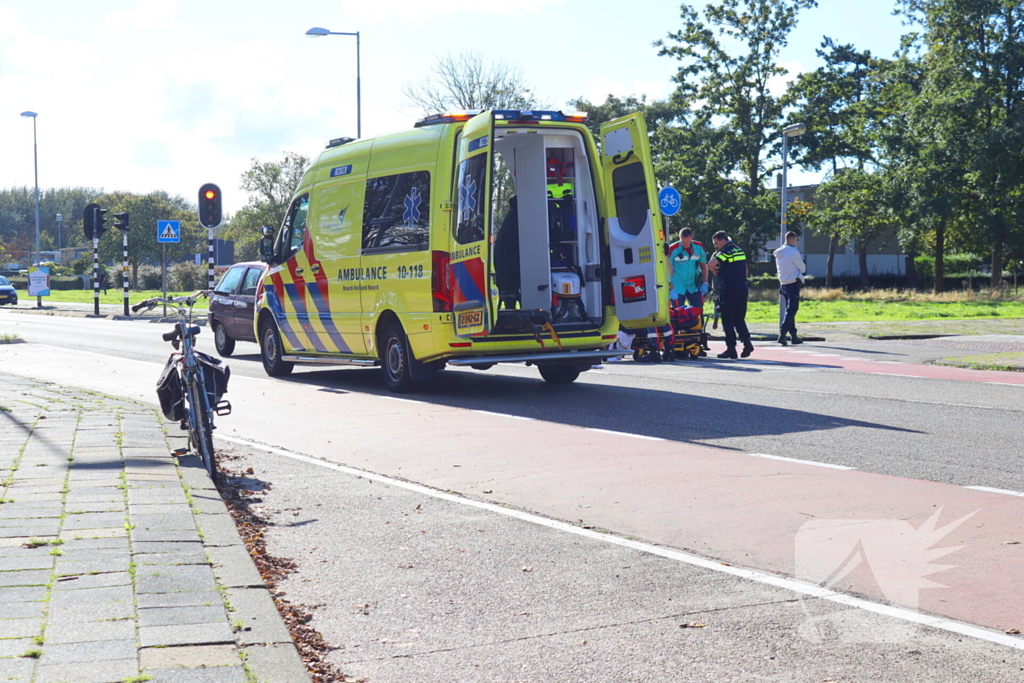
272,352
558,374
395,359
225,344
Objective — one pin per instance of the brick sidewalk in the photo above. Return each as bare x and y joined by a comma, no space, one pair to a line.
119,562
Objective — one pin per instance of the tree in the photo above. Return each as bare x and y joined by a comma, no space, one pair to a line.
270,185
465,81
728,60
973,92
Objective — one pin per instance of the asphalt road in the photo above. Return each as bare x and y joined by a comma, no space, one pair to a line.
414,587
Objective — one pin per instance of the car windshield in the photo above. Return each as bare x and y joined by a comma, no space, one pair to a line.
3,281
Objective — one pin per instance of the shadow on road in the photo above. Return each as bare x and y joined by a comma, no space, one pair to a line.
650,412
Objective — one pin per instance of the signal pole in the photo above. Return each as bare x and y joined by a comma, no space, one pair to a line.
209,218
122,225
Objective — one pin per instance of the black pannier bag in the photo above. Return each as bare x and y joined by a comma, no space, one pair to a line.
170,391
216,376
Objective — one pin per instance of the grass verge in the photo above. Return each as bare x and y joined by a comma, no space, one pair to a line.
990,361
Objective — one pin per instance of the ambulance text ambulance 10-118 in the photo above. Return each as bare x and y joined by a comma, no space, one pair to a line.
473,239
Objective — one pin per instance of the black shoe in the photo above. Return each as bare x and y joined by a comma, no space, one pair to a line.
797,340
747,350
729,353
782,340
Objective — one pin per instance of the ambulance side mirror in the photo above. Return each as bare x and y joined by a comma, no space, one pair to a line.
267,246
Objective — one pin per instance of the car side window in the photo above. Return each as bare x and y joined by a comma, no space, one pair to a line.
252,279
293,231
229,283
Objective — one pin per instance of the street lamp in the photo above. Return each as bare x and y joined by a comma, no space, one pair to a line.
35,156
788,132
317,32
60,220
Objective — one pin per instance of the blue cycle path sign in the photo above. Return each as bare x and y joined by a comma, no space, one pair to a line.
168,231
670,201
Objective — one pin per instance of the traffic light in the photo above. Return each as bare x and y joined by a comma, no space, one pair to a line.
122,221
209,206
94,220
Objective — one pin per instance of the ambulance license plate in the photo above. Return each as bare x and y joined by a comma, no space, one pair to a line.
471,318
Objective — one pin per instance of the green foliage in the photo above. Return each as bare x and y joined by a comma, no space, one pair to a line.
270,185
57,283
954,263
188,277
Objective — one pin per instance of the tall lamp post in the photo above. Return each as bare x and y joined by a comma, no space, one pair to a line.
60,221
35,157
795,130
316,32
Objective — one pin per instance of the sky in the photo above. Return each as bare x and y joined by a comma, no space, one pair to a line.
144,95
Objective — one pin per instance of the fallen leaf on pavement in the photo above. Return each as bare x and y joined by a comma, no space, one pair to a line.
1013,631
692,624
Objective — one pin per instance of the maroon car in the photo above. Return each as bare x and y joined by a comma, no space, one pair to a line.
232,305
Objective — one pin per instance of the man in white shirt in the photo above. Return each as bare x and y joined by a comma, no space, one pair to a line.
791,269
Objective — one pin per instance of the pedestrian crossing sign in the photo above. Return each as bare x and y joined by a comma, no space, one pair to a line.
168,231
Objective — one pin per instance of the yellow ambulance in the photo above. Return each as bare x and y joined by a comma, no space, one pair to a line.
474,239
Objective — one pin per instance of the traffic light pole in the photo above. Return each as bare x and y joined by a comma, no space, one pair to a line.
209,259
124,272
96,275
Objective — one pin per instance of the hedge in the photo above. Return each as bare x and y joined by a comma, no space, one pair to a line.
57,282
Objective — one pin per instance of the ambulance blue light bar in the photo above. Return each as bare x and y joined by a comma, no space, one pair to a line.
518,116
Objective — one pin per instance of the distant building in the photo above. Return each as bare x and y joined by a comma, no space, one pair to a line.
884,254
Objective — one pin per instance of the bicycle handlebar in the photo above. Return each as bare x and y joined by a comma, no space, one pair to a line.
177,300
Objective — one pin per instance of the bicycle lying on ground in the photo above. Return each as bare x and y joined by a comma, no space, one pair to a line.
192,383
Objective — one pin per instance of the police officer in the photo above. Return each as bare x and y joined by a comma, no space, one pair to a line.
729,264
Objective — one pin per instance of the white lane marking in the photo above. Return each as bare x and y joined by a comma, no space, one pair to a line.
514,417
403,400
1005,384
802,462
750,574
896,374
992,490
635,436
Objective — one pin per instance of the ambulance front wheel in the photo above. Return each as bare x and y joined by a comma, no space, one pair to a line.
395,359
271,351
558,374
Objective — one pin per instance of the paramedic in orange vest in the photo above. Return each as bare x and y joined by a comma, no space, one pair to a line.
689,271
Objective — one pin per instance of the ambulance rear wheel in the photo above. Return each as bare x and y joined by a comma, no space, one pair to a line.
558,374
271,351
395,360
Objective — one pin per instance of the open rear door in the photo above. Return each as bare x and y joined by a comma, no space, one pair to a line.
471,259
634,230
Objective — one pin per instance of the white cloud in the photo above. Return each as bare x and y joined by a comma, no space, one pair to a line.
145,16
777,84
417,10
10,24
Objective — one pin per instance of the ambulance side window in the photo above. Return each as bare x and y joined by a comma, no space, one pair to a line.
396,212
630,187
293,230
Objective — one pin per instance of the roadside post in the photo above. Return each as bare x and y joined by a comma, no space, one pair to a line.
122,225
94,219
795,130
671,202
167,232
209,218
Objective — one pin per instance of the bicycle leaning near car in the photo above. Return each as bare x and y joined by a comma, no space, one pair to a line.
192,383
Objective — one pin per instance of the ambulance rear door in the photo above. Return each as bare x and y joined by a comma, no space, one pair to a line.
470,256
633,227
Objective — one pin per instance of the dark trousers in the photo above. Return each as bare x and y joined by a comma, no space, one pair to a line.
791,296
733,306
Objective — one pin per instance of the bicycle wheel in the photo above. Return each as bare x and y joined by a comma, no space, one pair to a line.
201,429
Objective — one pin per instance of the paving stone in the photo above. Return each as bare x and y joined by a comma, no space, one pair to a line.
94,651
186,634
233,567
95,520
95,544
93,604
20,628
111,506
23,594
140,547
107,563
209,503
18,669
90,631
22,610
194,614
205,597
164,535
275,663
218,530
93,581
173,579
256,610
220,674
193,557
161,521
188,656
16,563
107,671
27,577
31,531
